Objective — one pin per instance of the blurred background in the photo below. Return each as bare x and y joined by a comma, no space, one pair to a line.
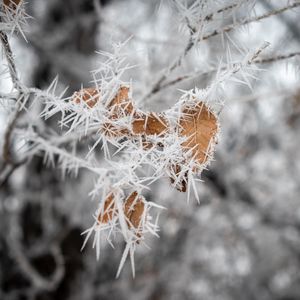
243,240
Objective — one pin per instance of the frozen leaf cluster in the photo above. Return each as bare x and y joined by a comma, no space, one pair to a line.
139,147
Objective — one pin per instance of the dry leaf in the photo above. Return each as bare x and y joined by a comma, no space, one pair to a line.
121,104
12,3
149,124
133,209
90,96
109,210
200,125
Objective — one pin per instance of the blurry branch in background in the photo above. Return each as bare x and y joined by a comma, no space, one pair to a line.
38,281
9,164
160,82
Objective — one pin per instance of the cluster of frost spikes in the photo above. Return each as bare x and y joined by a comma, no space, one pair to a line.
121,176
105,114
13,17
142,154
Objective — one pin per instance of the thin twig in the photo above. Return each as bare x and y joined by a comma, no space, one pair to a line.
188,76
279,57
210,17
38,281
251,20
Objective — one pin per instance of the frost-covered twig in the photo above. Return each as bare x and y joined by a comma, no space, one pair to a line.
178,143
160,82
10,60
236,25
275,58
201,74
199,8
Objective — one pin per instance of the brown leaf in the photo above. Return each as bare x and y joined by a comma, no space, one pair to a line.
200,125
12,3
109,210
121,104
149,124
90,96
133,209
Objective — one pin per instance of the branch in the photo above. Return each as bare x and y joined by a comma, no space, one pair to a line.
10,61
9,165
